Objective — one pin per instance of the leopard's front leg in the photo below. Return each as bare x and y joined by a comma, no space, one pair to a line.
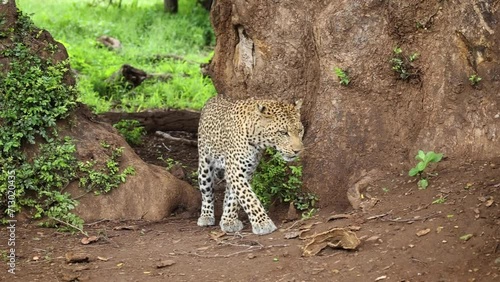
261,222
229,221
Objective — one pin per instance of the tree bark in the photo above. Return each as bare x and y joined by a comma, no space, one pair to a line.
288,49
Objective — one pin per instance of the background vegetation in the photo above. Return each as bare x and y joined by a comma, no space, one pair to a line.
146,33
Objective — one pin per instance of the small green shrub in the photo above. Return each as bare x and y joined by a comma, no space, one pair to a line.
474,79
103,179
403,65
36,164
131,130
424,160
440,200
275,179
342,75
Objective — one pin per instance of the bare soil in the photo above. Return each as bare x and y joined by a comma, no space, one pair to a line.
176,249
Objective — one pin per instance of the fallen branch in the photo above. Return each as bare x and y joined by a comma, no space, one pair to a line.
249,249
172,138
163,120
96,222
378,216
70,225
411,219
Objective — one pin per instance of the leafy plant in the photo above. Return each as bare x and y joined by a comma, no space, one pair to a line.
107,177
440,200
342,75
131,130
403,65
309,213
474,79
413,57
424,160
274,179
37,164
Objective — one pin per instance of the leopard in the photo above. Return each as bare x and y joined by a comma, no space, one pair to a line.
232,136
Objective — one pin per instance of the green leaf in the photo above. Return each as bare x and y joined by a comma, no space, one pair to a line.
421,166
437,158
423,183
466,237
420,156
414,171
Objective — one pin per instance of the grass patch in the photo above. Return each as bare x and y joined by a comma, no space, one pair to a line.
145,31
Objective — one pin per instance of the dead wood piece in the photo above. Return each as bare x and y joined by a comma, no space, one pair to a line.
162,120
110,42
135,76
181,140
77,257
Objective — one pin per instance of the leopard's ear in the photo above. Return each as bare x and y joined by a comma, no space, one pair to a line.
298,104
263,110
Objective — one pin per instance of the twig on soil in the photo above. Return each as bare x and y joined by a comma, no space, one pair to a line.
387,267
379,215
80,196
249,249
421,208
297,221
411,219
251,244
417,260
96,222
71,225
172,138
165,146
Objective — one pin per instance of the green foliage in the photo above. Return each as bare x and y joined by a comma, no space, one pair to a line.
342,75
440,200
413,57
107,177
275,179
37,165
148,36
424,160
131,130
33,98
403,65
171,163
474,79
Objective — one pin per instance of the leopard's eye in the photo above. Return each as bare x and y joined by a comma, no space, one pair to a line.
282,132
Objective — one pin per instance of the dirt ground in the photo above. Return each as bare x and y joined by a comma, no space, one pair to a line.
404,237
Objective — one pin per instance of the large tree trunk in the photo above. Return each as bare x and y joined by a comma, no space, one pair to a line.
288,49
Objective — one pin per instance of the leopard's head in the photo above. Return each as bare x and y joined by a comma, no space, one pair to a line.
279,126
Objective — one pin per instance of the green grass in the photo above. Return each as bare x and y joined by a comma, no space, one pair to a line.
144,31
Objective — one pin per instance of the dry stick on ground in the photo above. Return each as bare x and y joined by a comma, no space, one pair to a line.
378,215
172,138
435,214
249,249
163,120
96,222
70,225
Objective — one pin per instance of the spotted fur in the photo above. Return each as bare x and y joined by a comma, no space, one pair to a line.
231,137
